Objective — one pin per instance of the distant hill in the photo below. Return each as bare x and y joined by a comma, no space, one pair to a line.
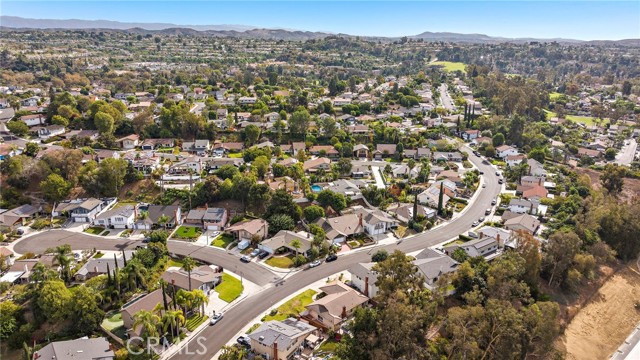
252,32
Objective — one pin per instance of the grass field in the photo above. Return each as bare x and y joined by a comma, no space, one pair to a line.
95,230
283,262
188,232
450,66
235,155
292,307
555,96
112,321
230,288
587,120
175,262
194,321
222,241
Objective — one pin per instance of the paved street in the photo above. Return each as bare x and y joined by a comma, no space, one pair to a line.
236,318
625,157
445,98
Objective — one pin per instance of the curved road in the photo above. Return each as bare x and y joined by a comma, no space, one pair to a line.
244,312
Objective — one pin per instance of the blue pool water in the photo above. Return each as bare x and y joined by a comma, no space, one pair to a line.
316,188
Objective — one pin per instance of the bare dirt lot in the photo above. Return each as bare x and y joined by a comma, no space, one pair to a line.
630,189
606,320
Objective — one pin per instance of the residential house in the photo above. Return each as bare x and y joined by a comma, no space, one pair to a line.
104,154
205,278
589,152
222,113
247,100
282,242
208,218
129,142
33,120
535,193
216,163
524,222
338,229
154,213
364,278
433,265
19,272
19,216
361,151
358,129
349,188
284,182
146,302
505,150
153,144
514,160
404,212
471,134
100,266
453,156
122,217
82,210
248,229
92,135
360,171
200,147
316,164
324,150
384,150
531,181
536,168
431,197
522,206
376,221
47,132
78,349
190,165
486,247
332,310
282,340
8,150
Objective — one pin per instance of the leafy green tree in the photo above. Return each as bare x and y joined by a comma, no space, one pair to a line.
299,121
104,123
252,133
261,166
9,312
54,299
55,188
313,212
498,139
279,222
18,128
233,353
31,149
85,310
612,178
329,198
537,154
558,255
59,120
227,172
344,166
380,255
282,203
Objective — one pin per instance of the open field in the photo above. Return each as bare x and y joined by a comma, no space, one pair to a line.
450,66
606,320
587,120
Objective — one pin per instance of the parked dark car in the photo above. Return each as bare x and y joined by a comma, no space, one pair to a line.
263,254
244,340
332,257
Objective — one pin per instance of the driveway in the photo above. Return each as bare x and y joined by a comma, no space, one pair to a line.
378,176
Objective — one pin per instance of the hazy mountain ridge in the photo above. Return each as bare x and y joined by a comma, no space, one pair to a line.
251,32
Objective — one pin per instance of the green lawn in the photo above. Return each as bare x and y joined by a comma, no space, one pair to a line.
188,232
329,346
235,155
284,262
175,262
98,255
253,328
555,96
194,321
587,120
230,288
292,307
112,321
95,230
222,241
450,66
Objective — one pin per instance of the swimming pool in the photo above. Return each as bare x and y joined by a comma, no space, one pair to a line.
316,188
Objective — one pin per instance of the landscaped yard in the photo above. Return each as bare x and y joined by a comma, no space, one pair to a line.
222,241
328,346
175,262
283,262
230,288
187,232
293,307
112,321
98,255
450,66
555,96
95,230
235,155
194,321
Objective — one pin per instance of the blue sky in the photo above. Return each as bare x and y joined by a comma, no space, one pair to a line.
585,20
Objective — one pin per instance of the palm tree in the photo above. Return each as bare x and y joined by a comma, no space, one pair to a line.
200,300
135,274
187,265
61,259
163,220
184,299
149,323
173,320
296,244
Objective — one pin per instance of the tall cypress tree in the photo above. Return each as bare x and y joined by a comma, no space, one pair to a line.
108,274
124,258
164,297
415,207
440,198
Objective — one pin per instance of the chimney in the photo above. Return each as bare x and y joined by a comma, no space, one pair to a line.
135,212
275,350
344,312
500,243
366,286
360,220
95,269
206,206
481,234
539,181
177,221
